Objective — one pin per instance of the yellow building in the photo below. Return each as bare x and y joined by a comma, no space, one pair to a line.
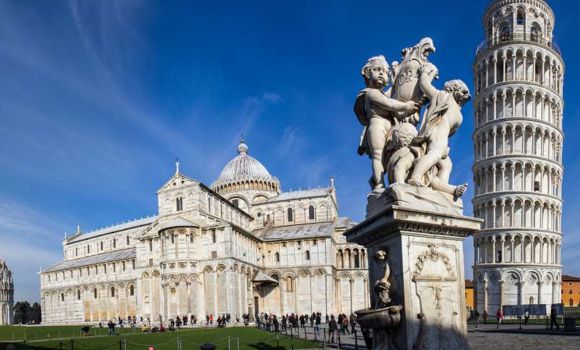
570,290
469,295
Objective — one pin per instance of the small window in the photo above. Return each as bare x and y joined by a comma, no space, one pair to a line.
236,203
213,236
179,203
131,290
105,268
78,295
191,238
76,251
311,212
61,296
151,245
88,249
307,255
289,284
150,262
133,264
314,242
214,254
71,274
277,256
112,292
95,293
128,240
290,215
114,267
124,266
114,243
172,238
101,245
537,186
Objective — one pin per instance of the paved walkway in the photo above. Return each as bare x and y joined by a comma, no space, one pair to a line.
483,337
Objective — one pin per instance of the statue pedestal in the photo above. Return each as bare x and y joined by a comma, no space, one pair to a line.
424,252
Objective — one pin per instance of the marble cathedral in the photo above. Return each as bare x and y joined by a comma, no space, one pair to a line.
238,246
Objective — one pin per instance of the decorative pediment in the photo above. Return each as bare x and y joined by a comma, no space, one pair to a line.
178,181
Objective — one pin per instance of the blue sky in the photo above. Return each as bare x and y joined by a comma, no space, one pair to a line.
99,97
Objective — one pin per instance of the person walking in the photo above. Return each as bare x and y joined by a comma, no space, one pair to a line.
345,323
554,318
526,317
499,315
332,328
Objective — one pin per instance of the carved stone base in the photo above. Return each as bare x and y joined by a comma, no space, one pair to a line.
420,198
425,256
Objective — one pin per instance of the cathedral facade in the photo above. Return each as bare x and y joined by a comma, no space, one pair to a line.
6,295
239,246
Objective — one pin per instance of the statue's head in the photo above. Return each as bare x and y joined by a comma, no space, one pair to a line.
376,72
459,90
403,134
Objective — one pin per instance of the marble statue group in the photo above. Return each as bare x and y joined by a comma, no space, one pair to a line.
389,109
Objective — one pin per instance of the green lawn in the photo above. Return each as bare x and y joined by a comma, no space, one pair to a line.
250,338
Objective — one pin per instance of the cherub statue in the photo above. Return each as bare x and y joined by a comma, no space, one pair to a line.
378,113
440,121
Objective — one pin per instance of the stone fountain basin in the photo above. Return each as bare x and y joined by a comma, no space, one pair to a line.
384,318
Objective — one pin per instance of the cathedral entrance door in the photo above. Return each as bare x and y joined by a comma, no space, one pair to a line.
257,305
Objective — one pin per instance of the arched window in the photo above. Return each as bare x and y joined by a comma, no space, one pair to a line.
95,293
61,296
536,32
179,203
356,260
112,292
307,255
78,295
290,215
236,203
289,284
520,17
505,32
131,290
277,257
311,212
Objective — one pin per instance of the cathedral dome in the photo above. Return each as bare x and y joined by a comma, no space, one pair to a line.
245,173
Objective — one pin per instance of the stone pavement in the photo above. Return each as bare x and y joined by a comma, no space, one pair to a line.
483,337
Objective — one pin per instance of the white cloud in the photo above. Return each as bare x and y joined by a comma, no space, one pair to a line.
29,240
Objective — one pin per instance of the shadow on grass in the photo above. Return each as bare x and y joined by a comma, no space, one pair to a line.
265,346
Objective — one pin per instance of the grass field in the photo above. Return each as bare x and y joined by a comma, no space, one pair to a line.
249,338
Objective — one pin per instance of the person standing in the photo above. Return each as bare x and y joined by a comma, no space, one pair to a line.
553,318
499,315
352,323
485,315
526,317
332,328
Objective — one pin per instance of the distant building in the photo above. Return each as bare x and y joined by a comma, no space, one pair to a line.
469,295
239,246
6,295
570,291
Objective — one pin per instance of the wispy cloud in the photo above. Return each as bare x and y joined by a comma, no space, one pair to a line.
29,240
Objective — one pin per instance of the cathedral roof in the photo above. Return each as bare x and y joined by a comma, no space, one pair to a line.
116,255
244,169
178,222
112,229
321,229
292,195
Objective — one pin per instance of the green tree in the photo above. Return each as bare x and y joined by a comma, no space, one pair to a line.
21,311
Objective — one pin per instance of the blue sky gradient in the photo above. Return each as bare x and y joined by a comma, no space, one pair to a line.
99,97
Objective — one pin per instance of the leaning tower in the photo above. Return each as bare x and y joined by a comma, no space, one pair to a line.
518,157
